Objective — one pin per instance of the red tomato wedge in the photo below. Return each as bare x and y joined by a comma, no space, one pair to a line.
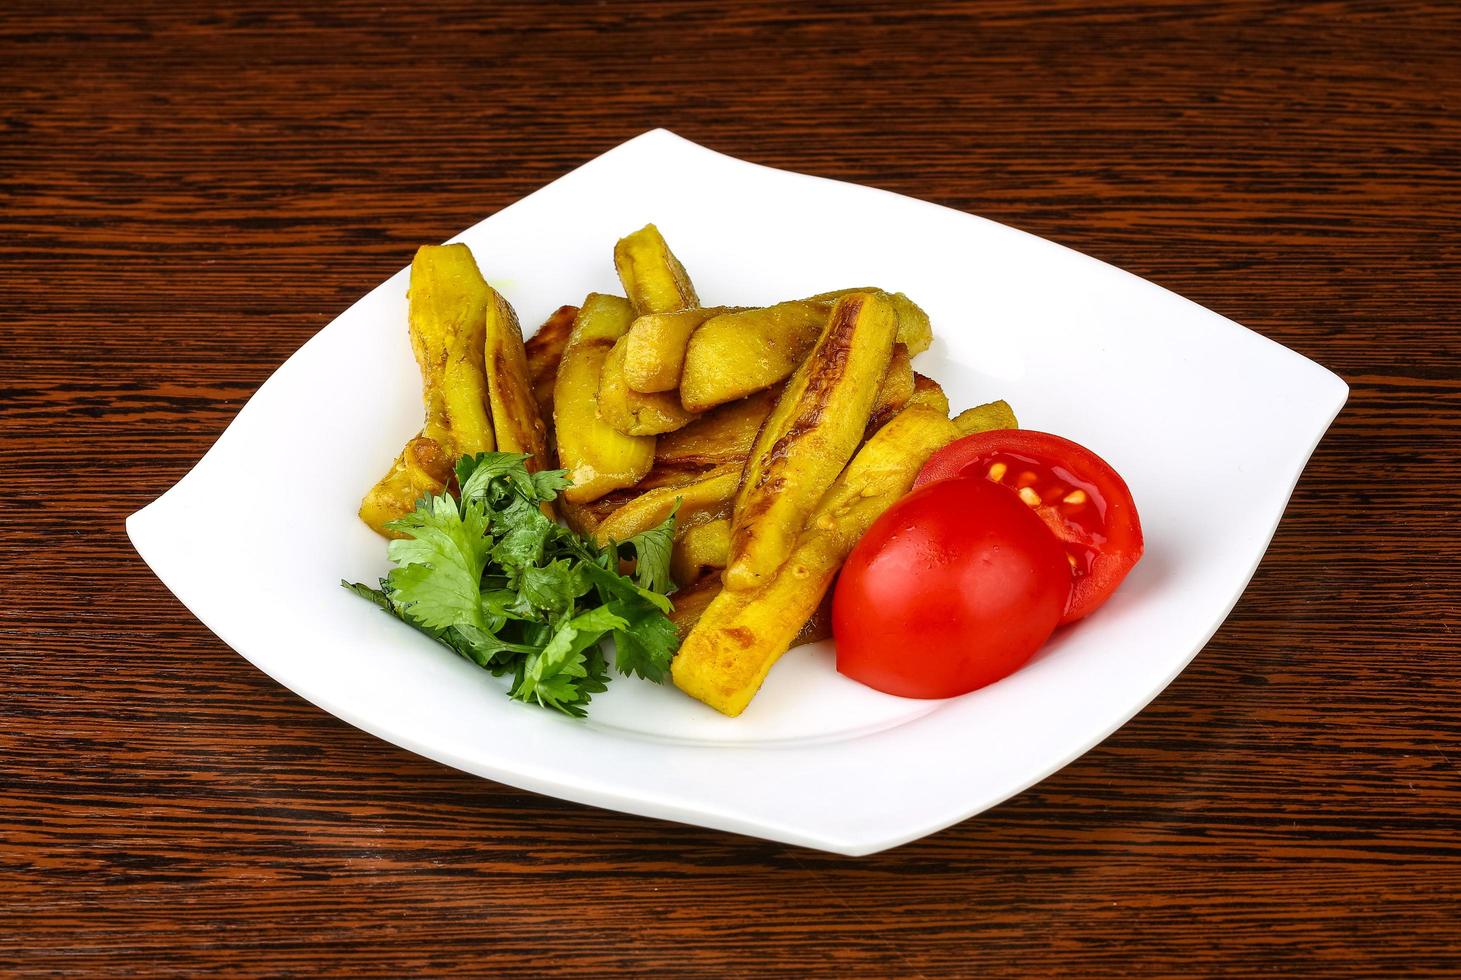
952,588
1075,492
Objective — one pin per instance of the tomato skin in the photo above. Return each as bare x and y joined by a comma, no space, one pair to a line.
1101,533
952,588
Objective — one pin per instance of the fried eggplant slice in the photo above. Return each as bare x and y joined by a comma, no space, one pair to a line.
819,626
704,499
422,468
586,517
731,355
582,518
667,475
690,604
657,477
654,347
636,413
809,436
699,549
915,331
654,280
544,350
896,389
740,635
833,295
690,601
598,457
446,318
984,418
928,393
516,422
722,435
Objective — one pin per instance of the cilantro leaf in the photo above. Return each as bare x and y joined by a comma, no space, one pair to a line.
549,677
475,474
652,554
547,483
366,592
553,588
488,575
489,474
611,585
646,643
438,579
482,646
525,534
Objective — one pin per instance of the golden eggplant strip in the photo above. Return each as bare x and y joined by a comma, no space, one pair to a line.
895,391
581,518
544,350
422,468
818,626
740,635
673,475
983,418
654,347
654,280
809,436
928,393
659,476
633,412
516,422
722,435
915,331
734,354
705,499
731,355
586,517
833,295
691,602
447,316
598,457
447,321
699,549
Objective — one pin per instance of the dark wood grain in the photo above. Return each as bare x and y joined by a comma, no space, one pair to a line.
188,192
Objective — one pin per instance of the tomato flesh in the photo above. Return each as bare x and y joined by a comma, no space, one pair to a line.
1076,493
952,588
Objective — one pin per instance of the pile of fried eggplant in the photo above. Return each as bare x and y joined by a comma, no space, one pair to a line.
775,434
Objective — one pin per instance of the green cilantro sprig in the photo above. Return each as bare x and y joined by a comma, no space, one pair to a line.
491,577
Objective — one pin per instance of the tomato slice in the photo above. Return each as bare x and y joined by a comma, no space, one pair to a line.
1077,493
953,587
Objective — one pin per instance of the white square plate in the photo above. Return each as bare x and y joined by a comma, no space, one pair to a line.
1209,423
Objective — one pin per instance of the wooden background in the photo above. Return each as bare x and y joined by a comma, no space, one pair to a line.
186,196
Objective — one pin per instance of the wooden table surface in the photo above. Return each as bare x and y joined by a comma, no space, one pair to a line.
187,196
